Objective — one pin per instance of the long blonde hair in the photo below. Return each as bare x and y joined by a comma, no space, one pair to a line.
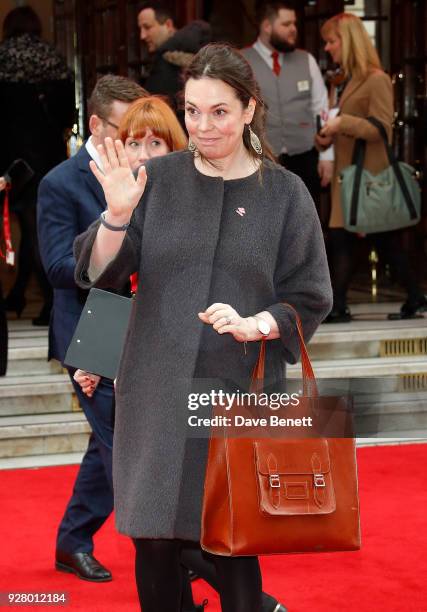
359,56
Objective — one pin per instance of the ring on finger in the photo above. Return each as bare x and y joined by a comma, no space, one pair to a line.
228,320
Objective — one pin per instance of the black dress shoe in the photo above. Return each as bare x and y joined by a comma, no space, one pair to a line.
338,315
270,604
412,308
82,564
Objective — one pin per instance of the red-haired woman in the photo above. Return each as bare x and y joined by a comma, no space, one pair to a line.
150,129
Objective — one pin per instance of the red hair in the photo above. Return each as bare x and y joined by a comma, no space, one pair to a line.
155,114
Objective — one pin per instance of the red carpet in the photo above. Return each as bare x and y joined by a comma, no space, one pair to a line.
389,574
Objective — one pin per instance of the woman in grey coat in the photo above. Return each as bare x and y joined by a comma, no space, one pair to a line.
220,237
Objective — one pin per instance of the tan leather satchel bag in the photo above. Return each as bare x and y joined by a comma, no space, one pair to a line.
273,496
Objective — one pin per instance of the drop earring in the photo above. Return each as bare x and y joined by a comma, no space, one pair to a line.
191,146
255,141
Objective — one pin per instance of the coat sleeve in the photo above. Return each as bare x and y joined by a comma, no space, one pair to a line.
57,226
117,272
380,107
301,276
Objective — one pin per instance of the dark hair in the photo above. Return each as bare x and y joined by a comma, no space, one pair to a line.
270,10
223,62
109,88
161,13
22,20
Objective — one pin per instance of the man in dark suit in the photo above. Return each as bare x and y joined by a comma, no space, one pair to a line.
69,200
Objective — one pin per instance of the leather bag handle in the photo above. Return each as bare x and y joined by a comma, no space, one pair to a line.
396,168
308,378
358,159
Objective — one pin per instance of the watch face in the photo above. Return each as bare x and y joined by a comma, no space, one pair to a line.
263,327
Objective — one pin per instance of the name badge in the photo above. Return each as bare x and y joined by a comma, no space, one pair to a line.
303,85
10,258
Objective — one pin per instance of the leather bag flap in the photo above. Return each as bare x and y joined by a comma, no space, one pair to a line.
293,456
294,477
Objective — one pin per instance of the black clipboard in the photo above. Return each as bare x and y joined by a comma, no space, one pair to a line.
100,333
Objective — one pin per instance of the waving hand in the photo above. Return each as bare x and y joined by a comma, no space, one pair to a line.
122,191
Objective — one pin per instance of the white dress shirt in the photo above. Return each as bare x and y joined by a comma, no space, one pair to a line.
319,93
91,149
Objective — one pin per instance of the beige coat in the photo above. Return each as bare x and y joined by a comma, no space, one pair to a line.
361,98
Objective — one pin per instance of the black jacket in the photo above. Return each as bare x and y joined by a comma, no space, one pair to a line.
166,71
36,105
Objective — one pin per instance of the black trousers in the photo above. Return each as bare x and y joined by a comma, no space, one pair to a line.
342,253
91,502
29,260
305,166
159,577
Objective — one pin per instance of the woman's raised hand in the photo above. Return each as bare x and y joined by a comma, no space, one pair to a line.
121,189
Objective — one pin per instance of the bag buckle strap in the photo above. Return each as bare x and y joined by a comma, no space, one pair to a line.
320,490
274,480
319,480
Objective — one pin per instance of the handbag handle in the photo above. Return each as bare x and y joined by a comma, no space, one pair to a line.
308,378
358,159
396,168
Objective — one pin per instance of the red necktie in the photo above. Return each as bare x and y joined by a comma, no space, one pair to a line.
276,65
134,282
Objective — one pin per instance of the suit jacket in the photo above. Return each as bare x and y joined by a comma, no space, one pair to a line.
361,98
69,200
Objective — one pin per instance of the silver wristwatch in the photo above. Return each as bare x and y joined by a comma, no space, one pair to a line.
264,328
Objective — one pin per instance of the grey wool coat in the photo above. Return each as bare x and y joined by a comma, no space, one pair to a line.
192,249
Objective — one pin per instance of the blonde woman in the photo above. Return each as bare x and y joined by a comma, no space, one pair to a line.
366,91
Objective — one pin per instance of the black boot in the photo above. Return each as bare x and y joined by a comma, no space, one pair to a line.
44,316
411,309
15,303
338,315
